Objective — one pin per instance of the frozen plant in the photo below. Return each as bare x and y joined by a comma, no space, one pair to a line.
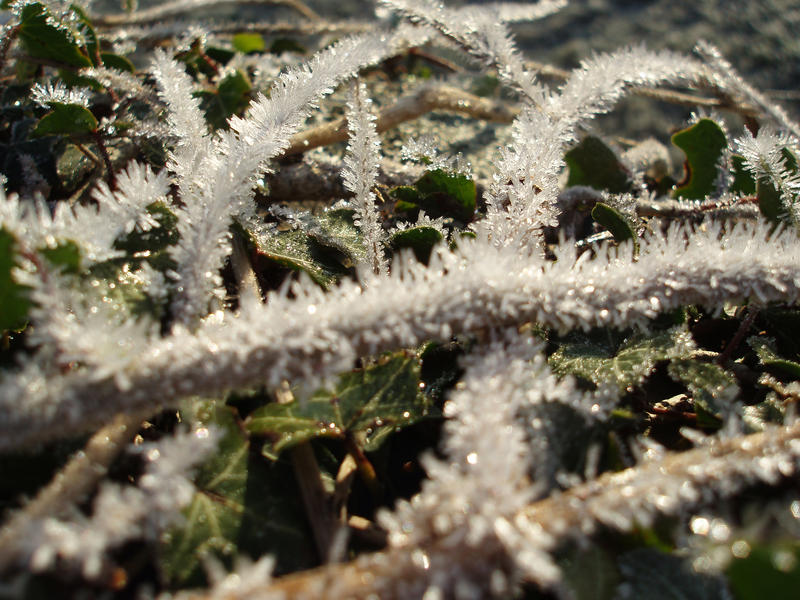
387,382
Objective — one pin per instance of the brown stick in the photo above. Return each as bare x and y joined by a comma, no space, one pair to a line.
411,106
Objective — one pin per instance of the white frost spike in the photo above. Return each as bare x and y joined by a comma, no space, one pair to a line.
137,188
361,170
763,156
58,93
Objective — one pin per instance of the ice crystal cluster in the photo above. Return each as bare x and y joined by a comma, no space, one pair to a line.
208,381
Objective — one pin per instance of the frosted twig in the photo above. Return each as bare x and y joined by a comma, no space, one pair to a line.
427,98
677,484
72,483
316,334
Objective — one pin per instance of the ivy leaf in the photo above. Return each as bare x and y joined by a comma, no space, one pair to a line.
594,164
231,97
242,504
703,144
66,119
445,194
420,239
43,39
117,61
14,303
764,348
300,252
770,202
335,228
656,575
374,401
247,43
743,182
711,387
626,366
613,220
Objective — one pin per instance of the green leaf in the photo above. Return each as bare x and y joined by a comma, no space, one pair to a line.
65,256
743,182
703,144
118,62
300,252
613,220
66,119
767,572
231,97
14,303
711,386
242,504
444,194
248,42
764,348
147,244
656,575
420,239
73,167
594,164
590,572
335,229
770,202
374,401
43,39
626,366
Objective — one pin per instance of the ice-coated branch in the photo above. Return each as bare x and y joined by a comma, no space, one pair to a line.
676,483
361,166
477,287
729,81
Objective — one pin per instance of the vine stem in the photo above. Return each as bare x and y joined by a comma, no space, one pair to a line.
72,483
678,483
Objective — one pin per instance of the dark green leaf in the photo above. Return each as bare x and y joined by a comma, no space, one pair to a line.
14,303
594,164
300,252
248,42
118,62
420,239
703,143
613,220
374,401
590,572
149,243
765,350
242,504
231,98
66,119
743,182
627,366
73,167
766,572
335,229
444,194
42,39
711,386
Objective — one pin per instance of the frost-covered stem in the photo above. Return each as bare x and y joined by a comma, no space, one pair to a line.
317,334
677,484
426,99
174,9
361,170
729,81
71,484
